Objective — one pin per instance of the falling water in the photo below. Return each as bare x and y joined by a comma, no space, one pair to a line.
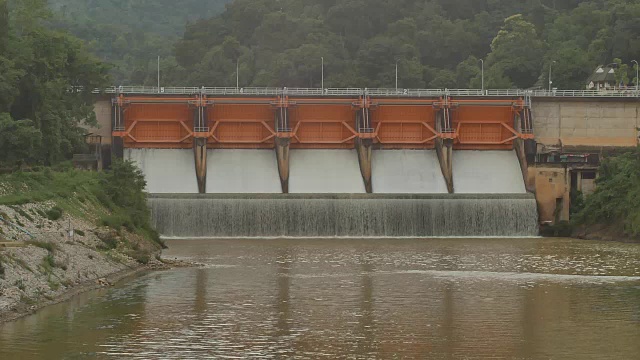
407,172
166,170
487,172
242,171
353,215
325,171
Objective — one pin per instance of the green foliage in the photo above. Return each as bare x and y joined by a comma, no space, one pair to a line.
109,242
1,267
131,34
48,263
79,232
24,214
20,284
41,118
43,245
55,213
615,201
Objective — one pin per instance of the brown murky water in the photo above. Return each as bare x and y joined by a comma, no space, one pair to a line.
368,299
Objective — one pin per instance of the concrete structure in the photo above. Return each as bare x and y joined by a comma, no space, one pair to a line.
572,129
589,127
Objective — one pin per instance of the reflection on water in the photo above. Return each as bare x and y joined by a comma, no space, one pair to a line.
438,299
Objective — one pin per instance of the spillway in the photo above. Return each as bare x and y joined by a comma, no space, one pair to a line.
242,171
487,172
364,215
325,172
166,170
407,172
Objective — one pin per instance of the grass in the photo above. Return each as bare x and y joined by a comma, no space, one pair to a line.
48,263
114,199
22,213
1,267
20,284
50,247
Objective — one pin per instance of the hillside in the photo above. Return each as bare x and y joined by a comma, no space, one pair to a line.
435,43
130,34
62,231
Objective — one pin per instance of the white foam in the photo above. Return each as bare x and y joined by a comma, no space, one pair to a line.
166,170
487,172
407,172
242,171
325,171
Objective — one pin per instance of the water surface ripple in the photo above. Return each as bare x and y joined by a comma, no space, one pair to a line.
356,299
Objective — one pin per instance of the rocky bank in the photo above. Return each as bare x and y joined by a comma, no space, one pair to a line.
47,255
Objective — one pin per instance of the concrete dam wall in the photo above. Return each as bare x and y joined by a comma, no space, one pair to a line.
328,198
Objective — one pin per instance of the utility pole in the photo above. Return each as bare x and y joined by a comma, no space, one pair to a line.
550,82
158,73
237,74
482,61
637,78
322,73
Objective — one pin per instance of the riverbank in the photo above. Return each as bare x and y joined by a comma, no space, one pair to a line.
62,233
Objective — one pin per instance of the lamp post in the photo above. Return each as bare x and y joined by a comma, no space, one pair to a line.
637,68
550,82
158,73
396,76
322,58
482,61
237,74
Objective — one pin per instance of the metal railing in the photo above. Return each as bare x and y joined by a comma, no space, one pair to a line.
272,91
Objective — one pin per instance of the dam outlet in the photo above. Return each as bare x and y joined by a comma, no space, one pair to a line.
330,166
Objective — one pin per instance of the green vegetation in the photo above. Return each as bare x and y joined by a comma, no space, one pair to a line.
130,35
43,245
1,267
41,117
113,198
436,43
55,213
615,201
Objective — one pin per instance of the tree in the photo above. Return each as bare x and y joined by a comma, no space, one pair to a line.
621,73
19,141
516,53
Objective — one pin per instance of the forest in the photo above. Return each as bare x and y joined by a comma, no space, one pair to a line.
131,34
42,118
435,43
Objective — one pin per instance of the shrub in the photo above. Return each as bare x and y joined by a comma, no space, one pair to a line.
615,200
48,263
110,242
1,268
117,221
79,232
141,256
55,213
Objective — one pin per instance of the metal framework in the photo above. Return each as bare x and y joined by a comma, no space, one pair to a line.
409,93
256,117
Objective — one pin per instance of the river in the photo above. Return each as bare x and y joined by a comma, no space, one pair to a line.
370,299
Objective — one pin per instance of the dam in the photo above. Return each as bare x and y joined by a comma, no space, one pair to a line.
278,162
